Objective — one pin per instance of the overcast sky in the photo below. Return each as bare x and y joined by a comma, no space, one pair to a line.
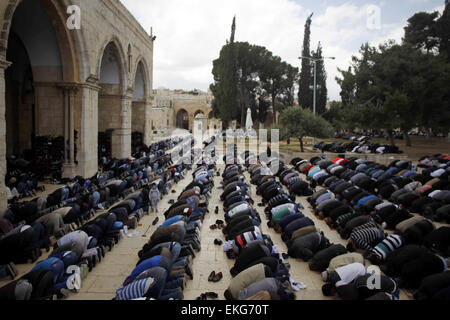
190,33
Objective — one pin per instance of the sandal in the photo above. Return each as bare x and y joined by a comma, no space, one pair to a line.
218,277
212,276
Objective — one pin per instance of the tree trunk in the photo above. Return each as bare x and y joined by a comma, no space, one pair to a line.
407,139
243,115
302,149
391,138
273,108
428,136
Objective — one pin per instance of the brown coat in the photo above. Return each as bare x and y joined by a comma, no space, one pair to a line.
246,278
303,232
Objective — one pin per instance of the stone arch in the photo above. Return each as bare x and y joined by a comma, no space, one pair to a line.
75,60
198,112
142,63
140,107
54,56
115,43
182,119
114,102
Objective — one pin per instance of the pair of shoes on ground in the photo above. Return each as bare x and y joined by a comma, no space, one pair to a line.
12,270
218,242
206,295
219,225
213,277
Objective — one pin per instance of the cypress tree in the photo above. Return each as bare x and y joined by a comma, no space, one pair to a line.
305,97
322,92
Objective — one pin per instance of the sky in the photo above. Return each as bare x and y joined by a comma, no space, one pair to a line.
190,33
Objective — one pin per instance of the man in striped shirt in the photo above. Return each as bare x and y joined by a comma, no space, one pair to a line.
378,254
234,247
365,237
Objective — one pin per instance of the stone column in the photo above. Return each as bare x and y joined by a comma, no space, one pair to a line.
88,135
148,122
69,167
3,200
121,139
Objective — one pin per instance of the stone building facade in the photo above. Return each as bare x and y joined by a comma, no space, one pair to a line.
178,109
57,79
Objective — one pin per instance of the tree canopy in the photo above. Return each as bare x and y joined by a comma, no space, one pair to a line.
397,86
300,123
257,79
305,97
430,32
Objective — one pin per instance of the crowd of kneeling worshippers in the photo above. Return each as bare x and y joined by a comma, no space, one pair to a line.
370,205
388,214
260,271
79,223
165,261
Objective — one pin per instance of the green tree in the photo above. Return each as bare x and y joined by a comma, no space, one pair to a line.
261,80
300,123
225,89
278,82
305,97
397,86
443,31
322,92
430,32
421,31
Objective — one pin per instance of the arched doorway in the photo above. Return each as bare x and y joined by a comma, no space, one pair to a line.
198,112
41,57
183,119
110,113
140,109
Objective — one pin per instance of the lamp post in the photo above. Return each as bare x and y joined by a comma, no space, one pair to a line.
314,61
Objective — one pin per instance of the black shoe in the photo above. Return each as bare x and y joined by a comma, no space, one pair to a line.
103,251
191,251
211,295
218,242
99,255
155,221
188,271
10,272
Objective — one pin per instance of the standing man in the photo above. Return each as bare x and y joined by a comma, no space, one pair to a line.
154,196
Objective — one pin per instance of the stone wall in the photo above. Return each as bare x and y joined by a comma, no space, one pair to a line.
102,22
3,202
178,100
49,110
138,110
